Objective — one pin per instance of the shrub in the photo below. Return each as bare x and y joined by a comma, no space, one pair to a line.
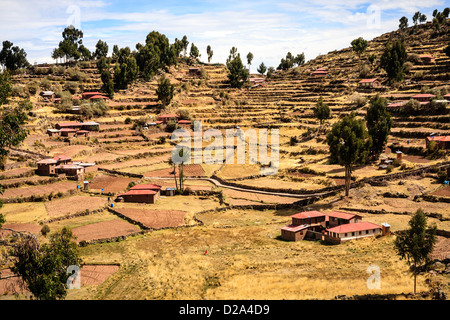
128,120
45,230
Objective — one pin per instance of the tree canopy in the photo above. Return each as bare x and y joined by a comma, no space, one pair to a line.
165,91
209,53
101,49
12,57
415,245
262,68
379,124
321,110
393,59
349,144
44,268
237,73
69,47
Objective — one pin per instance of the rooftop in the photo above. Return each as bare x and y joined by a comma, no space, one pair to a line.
342,215
149,186
295,228
352,227
308,214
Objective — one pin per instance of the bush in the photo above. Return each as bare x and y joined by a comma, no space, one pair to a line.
45,230
128,120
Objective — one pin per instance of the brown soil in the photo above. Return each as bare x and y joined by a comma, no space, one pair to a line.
190,170
443,192
155,218
28,227
39,190
61,207
441,249
261,198
15,172
110,183
104,230
416,159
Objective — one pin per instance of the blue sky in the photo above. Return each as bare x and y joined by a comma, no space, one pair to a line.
268,29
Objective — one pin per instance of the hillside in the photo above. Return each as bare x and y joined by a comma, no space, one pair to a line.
232,213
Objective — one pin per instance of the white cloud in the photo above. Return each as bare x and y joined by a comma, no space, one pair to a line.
268,30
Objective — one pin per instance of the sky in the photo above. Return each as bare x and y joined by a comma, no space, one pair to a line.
268,29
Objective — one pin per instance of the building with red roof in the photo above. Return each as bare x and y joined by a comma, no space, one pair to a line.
443,142
46,167
62,159
427,58
334,227
88,95
168,117
139,196
352,231
369,83
425,97
319,73
98,97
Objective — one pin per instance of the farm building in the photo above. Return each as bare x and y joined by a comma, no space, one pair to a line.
140,196
66,132
62,159
68,125
336,218
427,58
82,133
369,83
47,95
352,231
447,97
319,73
70,170
53,132
165,118
98,97
442,141
46,167
257,82
184,123
194,71
396,106
335,227
423,97
88,95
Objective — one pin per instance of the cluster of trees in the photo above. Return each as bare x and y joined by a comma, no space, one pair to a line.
12,57
237,73
353,142
291,61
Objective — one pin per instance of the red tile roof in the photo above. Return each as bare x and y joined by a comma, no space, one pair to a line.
62,157
423,95
308,214
47,161
439,138
137,193
342,215
295,228
368,80
98,96
352,227
146,187
184,121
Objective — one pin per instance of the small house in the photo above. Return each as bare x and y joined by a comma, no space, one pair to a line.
53,132
396,106
443,142
98,97
139,196
165,118
170,192
319,73
82,133
423,97
184,123
47,95
46,167
369,83
447,97
70,170
336,218
66,132
88,95
427,59
153,187
68,125
294,232
352,231
90,126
